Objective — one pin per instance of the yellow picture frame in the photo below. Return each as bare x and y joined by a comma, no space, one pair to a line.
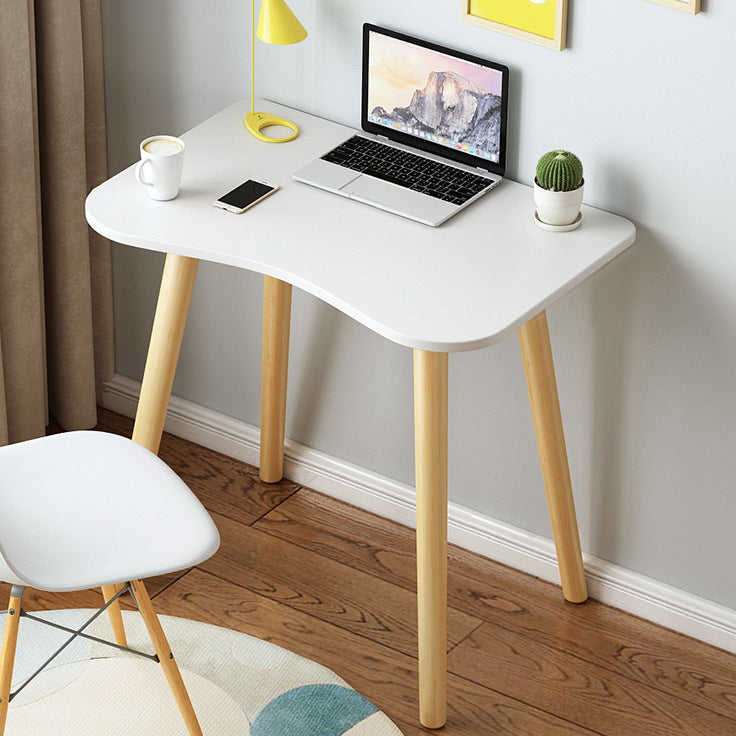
500,15
689,6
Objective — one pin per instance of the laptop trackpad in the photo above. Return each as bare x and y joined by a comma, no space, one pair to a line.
395,198
322,174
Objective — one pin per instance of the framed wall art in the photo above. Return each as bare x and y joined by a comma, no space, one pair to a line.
541,21
689,6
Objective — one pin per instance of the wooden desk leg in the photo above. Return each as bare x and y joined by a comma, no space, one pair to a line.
540,378
174,296
274,370
430,442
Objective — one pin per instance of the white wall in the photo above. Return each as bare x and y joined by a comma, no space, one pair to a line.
645,350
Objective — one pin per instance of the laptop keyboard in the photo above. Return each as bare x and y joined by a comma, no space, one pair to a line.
407,170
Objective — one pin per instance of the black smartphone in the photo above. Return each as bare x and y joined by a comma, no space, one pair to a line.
248,194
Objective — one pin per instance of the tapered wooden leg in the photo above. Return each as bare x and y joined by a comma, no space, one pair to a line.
7,658
174,296
168,663
116,618
274,371
430,442
540,377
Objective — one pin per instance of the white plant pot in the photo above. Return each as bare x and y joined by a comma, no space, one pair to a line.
558,208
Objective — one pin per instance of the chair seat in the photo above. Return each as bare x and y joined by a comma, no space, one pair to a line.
85,509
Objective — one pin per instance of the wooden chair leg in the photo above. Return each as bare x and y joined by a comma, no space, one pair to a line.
7,658
540,377
168,663
430,433
274,371
116,617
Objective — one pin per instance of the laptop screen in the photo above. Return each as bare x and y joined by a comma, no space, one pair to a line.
443,101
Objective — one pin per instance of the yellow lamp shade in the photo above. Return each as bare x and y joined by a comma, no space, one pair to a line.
277,24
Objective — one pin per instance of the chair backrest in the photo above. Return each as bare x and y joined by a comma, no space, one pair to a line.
81,509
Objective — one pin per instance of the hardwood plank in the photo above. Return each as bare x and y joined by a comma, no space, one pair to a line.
224,485
386,677
155,585
324,588
579,691
600,634
42,600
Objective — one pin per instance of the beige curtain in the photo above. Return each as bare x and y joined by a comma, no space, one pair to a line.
56,338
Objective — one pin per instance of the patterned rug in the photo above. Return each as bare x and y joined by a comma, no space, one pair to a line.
239,685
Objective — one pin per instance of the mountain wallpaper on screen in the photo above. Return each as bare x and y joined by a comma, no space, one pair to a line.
453,107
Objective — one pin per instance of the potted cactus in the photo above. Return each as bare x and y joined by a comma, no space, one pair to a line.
558,190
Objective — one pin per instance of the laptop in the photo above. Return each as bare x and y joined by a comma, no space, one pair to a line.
433,137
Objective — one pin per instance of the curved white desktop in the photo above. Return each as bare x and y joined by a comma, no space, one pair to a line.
462,286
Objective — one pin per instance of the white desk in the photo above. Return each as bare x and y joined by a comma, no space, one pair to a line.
465,285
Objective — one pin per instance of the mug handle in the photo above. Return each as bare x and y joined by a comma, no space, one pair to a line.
138,172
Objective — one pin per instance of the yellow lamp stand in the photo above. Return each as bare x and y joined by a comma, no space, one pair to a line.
254,121
276,25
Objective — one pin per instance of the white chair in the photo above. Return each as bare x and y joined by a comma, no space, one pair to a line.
90,509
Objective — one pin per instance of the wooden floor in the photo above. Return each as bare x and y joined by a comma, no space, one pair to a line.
337,585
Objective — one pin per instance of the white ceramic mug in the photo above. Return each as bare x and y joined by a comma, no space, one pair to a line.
160,167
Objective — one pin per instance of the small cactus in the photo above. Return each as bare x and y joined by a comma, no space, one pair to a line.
559,171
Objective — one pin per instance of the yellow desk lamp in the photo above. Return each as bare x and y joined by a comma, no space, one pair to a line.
277,25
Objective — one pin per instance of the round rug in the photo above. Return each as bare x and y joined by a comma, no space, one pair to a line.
239,685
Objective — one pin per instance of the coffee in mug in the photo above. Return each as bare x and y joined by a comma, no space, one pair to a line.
160,167
162,145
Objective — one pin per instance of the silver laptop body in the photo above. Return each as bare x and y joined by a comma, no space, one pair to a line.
430,158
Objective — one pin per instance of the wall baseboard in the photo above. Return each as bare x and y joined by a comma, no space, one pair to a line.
530,553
